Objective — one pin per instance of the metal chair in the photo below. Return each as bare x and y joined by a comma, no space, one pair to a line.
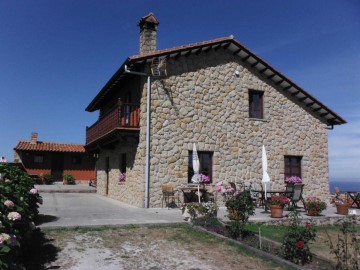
297,196
289,190
169,195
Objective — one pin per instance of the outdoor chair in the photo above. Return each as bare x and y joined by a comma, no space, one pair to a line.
297,196
169,195
210,193
289,190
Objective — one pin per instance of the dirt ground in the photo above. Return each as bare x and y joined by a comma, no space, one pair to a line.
138,248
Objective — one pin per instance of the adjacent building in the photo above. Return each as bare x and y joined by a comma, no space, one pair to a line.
217,94
38,157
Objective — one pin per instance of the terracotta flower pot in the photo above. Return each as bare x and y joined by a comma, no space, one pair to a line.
276,211
233,214
342,209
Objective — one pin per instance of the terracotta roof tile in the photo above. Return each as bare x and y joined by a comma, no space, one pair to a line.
49,147
180,48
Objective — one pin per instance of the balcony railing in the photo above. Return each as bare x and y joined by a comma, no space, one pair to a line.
124,115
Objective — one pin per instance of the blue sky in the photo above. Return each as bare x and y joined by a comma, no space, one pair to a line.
56,55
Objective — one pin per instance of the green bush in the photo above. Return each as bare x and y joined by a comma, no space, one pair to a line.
70,179
48,179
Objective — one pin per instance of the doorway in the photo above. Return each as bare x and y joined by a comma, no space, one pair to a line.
57,167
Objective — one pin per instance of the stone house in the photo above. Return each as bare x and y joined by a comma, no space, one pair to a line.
217,94
38,157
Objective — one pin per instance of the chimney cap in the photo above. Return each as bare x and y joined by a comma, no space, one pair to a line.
148,20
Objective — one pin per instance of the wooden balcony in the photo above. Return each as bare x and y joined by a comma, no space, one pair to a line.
125,116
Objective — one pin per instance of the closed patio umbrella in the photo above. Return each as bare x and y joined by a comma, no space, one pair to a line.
196,168
265,178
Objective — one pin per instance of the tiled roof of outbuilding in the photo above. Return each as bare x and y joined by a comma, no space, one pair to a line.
49,147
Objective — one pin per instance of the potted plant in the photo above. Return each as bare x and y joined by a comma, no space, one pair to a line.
277,203
47,179
240,206
342,206
68,179
292,179
314,206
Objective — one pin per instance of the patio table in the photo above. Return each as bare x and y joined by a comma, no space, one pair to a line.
190,191
355,197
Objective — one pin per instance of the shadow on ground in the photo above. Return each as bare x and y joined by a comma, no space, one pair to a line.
40,219
40,252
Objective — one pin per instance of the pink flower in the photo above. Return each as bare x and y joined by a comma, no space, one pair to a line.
308,225
300,244
9,203
33,191
14,216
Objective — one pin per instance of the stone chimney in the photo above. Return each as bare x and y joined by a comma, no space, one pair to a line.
148,27
34,137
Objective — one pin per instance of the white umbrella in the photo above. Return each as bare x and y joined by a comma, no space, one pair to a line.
196,168
265,178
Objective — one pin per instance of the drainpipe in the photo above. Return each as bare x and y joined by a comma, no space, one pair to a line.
147,165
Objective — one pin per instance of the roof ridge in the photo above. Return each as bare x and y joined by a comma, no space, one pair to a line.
189,45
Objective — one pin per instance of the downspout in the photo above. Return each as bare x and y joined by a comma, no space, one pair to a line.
147,165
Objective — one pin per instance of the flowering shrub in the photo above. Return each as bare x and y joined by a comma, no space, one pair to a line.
195,210
279,200
201,178
122,177
18,208
225,188
293,179
314,206
296,241
33,191
14,216
9,203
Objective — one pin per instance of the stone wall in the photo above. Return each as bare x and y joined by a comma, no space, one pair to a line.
203,101
132,190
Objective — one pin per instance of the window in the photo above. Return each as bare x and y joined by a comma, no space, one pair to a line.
256,104
38,159
205,159
76,160
122,164
292,166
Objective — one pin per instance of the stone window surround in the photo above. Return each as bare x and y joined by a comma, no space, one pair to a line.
300,157
211,163
262,102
